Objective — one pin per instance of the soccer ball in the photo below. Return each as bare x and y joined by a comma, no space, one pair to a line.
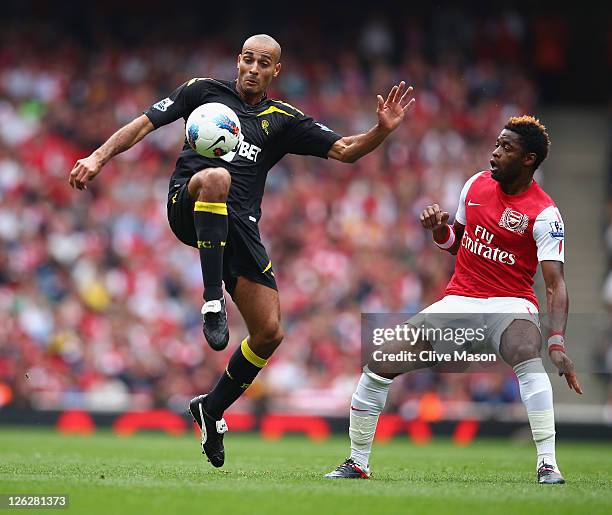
213,130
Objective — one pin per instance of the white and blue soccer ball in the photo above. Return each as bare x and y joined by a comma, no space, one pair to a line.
213,130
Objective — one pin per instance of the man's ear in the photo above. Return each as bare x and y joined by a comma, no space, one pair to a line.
530,159
238,61
277,69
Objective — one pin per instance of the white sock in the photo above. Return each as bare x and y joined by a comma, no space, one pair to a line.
367,403
536,393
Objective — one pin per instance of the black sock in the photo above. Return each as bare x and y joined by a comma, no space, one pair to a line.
210,219
240,372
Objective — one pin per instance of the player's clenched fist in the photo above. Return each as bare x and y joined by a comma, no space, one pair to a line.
433,217
84,170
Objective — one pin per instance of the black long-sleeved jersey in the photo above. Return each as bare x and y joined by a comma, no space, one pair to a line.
270,129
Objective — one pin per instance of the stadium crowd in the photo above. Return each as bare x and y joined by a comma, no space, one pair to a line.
100,304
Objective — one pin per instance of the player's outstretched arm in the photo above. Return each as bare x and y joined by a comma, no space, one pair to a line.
557,302
446,237
390,113
87,168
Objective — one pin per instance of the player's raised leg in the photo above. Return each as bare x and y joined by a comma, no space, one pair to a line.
367,403
260,308
209,189
520,348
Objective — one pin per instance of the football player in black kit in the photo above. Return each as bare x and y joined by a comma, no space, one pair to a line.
214,206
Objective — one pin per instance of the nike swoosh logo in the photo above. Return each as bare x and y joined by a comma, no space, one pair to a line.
357,409
470,203
221,138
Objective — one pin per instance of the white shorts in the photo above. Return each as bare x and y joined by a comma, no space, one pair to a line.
492,315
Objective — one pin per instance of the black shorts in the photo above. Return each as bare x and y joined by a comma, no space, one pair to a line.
244,254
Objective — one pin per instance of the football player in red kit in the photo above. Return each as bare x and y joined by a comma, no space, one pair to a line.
504,226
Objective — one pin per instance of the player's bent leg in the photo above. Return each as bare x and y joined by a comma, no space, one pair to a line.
259,306
367,403
520,348
210,185
209,189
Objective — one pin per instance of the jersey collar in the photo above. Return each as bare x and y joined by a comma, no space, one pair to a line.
232,85
521,195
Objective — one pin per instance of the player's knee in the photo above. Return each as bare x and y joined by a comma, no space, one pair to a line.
270,335
520,351
210,185
275,335
521,341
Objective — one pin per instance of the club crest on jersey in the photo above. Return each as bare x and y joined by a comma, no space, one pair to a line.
265,125
556,230
514,221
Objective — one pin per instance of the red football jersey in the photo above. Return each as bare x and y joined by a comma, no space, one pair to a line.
505,237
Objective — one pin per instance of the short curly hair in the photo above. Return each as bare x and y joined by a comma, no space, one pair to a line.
534,137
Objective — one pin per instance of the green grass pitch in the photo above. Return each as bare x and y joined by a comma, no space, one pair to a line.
154,473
